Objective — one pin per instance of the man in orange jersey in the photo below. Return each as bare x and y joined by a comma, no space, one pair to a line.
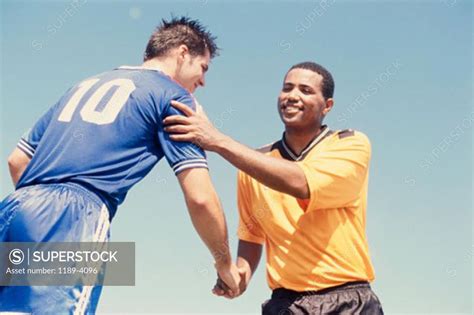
304,197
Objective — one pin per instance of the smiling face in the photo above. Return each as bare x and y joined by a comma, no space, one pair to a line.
301,104
192,71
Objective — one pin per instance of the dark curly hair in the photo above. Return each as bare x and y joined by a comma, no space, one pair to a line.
327,87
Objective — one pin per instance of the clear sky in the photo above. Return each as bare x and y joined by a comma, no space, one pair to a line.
403,73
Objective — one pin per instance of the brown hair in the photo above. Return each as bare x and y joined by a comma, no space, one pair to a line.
180,31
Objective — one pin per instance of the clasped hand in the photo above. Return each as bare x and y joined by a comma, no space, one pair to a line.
231,283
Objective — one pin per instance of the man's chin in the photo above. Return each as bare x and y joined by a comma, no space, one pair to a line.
297,125
291,121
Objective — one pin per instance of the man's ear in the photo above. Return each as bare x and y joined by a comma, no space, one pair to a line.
328,106
182,51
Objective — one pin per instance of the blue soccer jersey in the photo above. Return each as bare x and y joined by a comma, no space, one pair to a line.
106,134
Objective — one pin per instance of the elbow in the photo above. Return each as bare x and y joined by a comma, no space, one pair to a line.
16,165
301,194
12,163
18,160
200,203
298,184
300,190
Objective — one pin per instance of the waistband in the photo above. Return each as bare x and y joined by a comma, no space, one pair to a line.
71,186
94,196
286,293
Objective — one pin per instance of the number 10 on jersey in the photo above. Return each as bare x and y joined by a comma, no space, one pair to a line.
89,111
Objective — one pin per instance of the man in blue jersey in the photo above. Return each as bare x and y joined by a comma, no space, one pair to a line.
75,166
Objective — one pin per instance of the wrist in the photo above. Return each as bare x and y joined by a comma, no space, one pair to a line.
244,266
222,267
223,262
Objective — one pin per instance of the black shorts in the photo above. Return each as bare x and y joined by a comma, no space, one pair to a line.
350,298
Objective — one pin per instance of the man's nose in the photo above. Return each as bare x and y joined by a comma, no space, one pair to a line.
293,96
202,81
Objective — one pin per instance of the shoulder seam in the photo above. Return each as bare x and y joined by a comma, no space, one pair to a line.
266,148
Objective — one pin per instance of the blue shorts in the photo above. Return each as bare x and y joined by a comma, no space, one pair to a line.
52,213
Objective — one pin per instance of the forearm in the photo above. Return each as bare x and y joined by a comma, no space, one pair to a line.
206,212
209,221
248,256
278,174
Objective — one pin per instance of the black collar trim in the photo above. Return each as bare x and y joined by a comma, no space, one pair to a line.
288,154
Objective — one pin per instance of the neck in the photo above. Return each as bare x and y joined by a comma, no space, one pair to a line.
164,65
297,140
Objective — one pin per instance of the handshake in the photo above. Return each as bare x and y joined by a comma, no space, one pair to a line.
232,280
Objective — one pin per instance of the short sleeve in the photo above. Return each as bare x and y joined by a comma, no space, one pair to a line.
336,175
30,139
249,229
180,155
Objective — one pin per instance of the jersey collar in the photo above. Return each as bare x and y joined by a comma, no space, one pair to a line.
288,154
138,68
152,69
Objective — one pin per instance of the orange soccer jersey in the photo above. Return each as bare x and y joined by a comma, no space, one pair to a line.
318,242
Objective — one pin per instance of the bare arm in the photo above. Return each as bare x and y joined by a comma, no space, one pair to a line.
249,255
209,220
17,163
206,212
278,174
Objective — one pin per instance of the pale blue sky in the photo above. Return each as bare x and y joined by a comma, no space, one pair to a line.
403,73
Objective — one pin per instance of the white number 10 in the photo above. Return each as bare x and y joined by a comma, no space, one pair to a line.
89,112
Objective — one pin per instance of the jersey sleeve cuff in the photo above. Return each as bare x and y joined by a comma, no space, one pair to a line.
194,163
245,236
27,148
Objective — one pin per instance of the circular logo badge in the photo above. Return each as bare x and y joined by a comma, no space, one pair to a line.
16,256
